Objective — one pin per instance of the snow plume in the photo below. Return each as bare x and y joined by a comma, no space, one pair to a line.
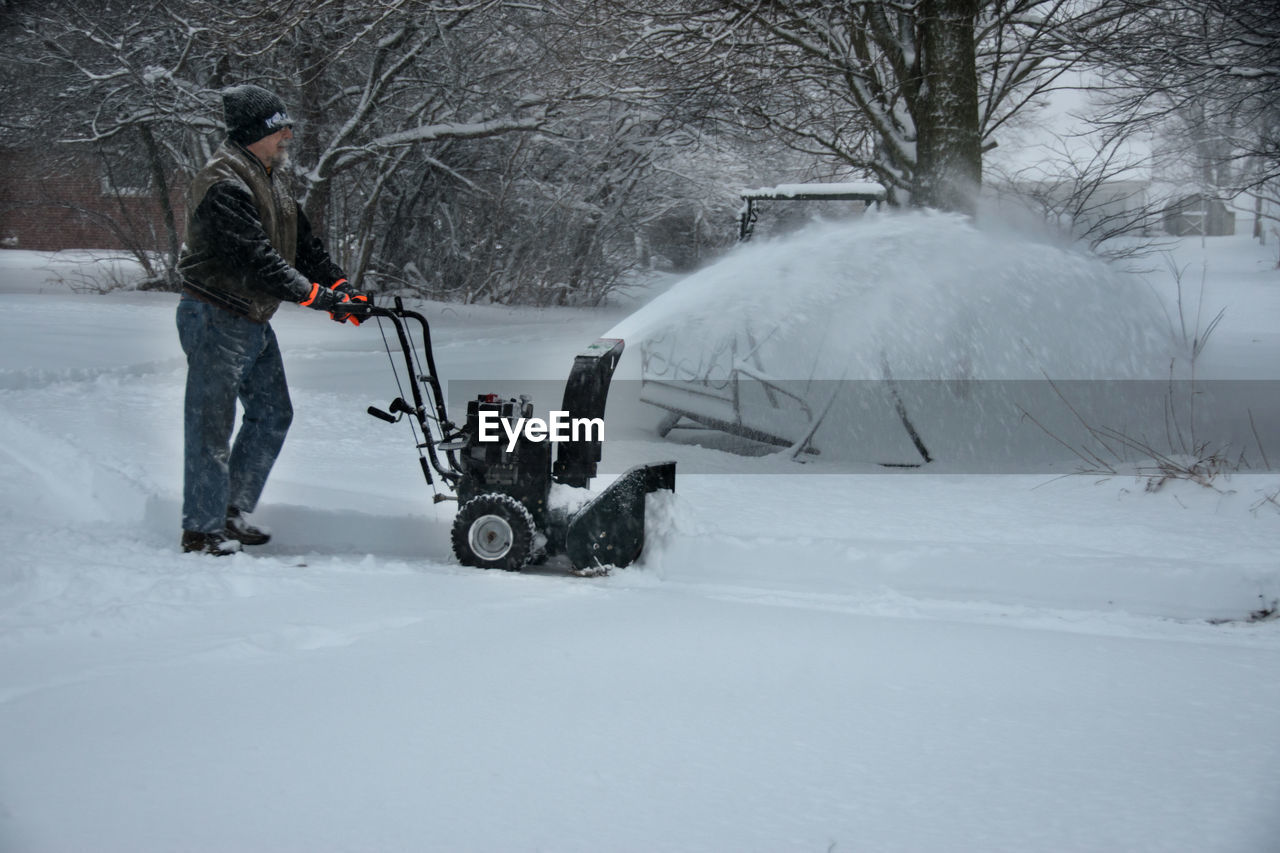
796,339
929,293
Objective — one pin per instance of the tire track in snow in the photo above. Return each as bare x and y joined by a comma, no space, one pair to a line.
62,480
876,576
35,378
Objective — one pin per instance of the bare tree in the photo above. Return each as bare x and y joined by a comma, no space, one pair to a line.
495,149
140,81
553,216
1205,76
475,149
910,93
117,84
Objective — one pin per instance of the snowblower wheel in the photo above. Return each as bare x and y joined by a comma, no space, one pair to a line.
493,531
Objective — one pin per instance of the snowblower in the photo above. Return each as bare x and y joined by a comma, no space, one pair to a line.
516,505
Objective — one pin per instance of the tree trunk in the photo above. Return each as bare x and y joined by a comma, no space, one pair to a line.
949,150
311,96
163,195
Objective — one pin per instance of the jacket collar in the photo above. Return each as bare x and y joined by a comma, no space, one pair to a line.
248,155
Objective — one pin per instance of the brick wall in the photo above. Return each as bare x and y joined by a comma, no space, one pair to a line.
49,208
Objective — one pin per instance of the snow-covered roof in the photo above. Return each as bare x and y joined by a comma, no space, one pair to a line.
854,191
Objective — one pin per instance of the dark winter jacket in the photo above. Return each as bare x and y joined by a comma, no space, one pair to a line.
249,246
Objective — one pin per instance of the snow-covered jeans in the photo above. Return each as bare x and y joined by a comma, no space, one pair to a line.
228,358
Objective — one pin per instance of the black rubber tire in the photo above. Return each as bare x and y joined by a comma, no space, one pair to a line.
493,531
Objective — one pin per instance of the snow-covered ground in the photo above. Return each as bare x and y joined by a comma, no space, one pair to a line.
808,656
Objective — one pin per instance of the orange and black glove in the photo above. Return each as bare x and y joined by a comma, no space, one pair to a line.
334,298
355,317
323,299
346,293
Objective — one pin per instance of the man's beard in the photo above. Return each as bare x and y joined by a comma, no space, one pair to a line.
281,159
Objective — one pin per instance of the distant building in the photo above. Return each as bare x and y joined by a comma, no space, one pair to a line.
50,206
1199,214
1108,208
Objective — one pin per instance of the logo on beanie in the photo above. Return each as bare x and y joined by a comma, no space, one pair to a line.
278,121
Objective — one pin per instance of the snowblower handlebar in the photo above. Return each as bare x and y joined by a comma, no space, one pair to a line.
426,409
362,310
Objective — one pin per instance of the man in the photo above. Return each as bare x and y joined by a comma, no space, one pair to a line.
249,247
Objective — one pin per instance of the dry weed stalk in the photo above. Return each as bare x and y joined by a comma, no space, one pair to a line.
1189,457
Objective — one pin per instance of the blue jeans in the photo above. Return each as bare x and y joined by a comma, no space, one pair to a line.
228,358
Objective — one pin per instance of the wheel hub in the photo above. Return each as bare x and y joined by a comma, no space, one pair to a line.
490,537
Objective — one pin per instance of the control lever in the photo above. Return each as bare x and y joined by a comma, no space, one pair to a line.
398,407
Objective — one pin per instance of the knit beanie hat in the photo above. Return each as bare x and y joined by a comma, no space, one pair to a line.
252,112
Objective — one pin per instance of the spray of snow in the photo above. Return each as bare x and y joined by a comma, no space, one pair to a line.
794,339
929,293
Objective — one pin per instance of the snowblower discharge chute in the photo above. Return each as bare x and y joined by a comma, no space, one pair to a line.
507,516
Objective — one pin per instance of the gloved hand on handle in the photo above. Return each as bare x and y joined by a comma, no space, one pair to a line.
333,299
355,317
349,294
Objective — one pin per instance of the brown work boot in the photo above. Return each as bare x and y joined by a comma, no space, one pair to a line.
218,544
238,527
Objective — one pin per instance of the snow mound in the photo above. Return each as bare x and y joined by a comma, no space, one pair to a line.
927,293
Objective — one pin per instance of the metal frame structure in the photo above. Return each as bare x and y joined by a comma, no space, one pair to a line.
867,193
